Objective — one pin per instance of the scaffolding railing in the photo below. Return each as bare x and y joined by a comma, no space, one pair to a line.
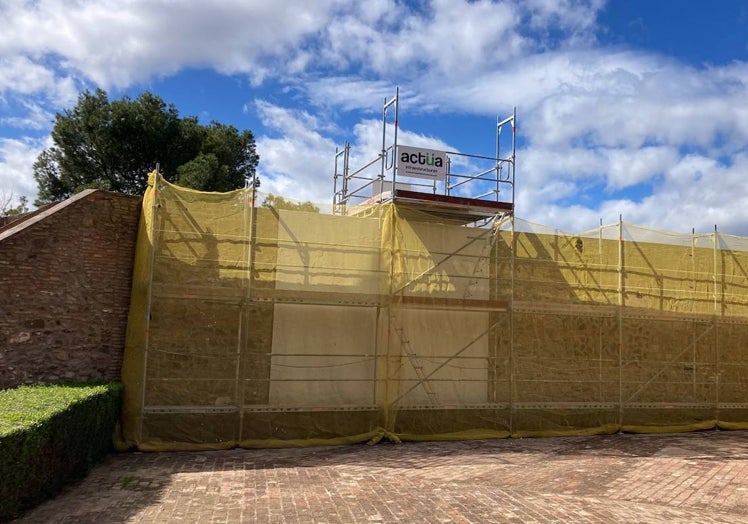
469,176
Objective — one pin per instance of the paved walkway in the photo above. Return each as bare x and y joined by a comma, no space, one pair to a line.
695,477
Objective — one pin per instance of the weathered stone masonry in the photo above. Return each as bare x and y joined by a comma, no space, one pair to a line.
65,278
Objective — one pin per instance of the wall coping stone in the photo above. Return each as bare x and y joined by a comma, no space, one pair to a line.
55,208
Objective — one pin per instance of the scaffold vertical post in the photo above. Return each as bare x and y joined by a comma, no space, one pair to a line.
693,298
498,154
620,261
249,222
346,166
714,274
511,160
600,259
514,150
386,106
620,321
512,382
149,295
693,264
335,182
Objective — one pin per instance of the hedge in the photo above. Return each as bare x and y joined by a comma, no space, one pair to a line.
51,435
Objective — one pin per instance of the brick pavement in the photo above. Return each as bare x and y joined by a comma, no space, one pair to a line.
633,478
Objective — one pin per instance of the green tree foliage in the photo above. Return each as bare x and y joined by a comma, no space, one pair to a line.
8,209
114,144
21,208
278,202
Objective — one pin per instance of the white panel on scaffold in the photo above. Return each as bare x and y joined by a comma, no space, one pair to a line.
421,163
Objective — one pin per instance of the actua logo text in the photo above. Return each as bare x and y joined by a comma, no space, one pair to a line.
424,159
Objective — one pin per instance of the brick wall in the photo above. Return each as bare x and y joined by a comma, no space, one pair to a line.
65,277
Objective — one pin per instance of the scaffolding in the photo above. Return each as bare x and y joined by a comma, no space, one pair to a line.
262,327
474,187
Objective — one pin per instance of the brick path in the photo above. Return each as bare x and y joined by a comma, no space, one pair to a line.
620,478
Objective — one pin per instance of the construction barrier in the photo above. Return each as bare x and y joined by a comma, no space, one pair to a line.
256,326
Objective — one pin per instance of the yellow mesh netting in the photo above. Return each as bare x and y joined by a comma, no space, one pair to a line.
263,327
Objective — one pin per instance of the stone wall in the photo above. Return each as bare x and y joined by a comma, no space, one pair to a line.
65,278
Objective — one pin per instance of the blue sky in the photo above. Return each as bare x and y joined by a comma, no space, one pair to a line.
637,108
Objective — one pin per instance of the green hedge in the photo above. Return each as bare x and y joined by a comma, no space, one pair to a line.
51,435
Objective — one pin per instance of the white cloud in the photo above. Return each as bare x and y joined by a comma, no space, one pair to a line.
22,75
452,37
34,118
349,93
114,43
577,19
615,168
607,98
16,160
628,167
298,164
695,192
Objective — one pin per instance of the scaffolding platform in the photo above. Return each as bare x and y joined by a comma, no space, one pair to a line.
454,208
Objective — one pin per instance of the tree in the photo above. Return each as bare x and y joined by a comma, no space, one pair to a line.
114,145
278,202
222,163
6,207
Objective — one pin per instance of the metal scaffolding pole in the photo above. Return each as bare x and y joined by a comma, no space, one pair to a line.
620,320
693,298
249,222
512,381
151,264
714,275
387,104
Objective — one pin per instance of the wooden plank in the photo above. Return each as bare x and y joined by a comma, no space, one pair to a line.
450,200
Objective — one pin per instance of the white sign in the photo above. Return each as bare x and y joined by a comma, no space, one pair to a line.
421,163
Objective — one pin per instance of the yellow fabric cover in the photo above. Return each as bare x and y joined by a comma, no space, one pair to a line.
260,327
